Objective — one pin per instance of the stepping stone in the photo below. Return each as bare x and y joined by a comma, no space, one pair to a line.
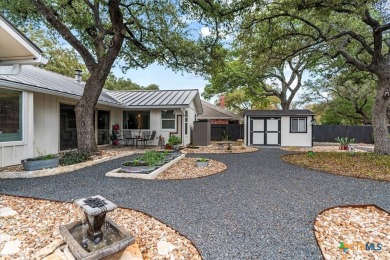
132,253
11,248
7,212
47,250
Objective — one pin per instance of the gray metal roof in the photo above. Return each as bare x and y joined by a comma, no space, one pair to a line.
211,111
40,80
157,98
300,112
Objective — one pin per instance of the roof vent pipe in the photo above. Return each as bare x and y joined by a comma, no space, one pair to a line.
77,75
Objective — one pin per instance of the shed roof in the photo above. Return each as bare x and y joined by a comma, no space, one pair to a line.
158,98
211,111
297,112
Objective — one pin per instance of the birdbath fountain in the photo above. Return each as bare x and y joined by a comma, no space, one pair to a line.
100,237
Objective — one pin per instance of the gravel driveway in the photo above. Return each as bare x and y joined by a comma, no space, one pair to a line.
260,208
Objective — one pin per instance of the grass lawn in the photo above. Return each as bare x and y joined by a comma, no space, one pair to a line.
362,165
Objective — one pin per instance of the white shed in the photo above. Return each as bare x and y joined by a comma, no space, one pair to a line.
279,127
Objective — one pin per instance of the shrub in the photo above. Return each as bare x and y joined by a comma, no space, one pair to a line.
74,157
174,139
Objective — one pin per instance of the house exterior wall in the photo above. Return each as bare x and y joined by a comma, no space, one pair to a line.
13,152
41,126
287,138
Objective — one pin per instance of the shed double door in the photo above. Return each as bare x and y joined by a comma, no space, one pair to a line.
265,131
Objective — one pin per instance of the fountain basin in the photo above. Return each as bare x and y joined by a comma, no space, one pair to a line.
114,242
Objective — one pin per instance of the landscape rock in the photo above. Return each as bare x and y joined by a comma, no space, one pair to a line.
56,255
11,248
164,248
47,250
132,253
7,212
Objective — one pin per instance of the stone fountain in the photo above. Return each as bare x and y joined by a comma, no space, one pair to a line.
100,237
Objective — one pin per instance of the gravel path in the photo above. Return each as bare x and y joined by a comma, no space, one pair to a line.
260,208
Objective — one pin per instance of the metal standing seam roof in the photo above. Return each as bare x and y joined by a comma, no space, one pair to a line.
215,112
154,98
298,112
40,80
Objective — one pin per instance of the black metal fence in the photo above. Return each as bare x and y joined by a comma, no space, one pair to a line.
233,131
328,133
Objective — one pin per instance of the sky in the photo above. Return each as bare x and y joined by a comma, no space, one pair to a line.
165,78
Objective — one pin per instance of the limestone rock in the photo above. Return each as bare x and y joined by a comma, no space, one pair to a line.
7,212
4,237
68,254
11,248
164,248
56,255
132,253
47,250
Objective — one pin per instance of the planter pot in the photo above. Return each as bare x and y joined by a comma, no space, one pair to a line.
202,164
141,168
31,165
343,147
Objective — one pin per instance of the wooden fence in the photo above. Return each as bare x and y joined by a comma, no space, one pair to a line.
234,132
328,133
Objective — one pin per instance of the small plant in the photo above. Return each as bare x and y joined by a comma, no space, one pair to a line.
310,154
202,159
74,157
153,158
345,140
225,137
174,140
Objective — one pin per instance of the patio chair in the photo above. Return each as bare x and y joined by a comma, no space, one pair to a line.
143,138
127,136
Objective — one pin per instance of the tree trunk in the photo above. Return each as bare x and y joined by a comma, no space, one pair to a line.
379,117
85,109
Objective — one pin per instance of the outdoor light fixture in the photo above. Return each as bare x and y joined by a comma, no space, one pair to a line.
313,122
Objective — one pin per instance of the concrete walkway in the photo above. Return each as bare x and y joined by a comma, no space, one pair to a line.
260,208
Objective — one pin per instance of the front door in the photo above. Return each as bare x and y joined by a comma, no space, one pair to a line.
265,131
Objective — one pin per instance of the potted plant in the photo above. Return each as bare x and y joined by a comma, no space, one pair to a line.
202,162
40,162
344,142
174,140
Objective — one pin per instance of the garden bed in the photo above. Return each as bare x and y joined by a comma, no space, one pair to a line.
186,169
151,175
214,148
361,165
36,226
353,226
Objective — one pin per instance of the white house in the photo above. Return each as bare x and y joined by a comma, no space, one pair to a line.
37,106
279,127
37,113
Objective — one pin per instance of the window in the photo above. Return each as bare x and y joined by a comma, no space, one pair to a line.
298,125
186,122
10,115
168,119
136,119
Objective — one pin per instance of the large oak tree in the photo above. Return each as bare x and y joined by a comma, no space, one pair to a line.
138,32
356,31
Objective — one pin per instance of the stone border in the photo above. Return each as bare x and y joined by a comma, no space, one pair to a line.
58,170
149,176
341,206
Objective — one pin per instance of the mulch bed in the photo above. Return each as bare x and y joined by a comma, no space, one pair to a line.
342,232
361,165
